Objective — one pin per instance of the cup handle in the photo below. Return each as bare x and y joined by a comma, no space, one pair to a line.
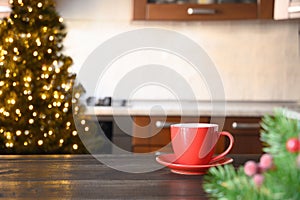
231,141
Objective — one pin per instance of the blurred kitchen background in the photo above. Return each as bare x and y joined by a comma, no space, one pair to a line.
256,59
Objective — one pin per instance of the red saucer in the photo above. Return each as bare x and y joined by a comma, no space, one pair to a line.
168,160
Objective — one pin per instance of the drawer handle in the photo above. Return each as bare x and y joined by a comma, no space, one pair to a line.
161,124
236,125
200,11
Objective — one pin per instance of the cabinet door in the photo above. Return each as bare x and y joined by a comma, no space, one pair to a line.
153,134
228,11
143,10
286,9
246,132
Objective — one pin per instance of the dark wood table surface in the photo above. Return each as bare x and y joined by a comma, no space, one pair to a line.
85,177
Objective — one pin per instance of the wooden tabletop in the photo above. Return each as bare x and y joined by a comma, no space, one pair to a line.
85,177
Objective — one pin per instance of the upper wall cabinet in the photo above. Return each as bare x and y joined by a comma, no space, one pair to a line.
286,9
192,10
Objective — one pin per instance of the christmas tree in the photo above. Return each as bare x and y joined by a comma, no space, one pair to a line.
36,83
275,176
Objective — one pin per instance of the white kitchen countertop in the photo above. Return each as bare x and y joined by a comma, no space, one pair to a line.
192,108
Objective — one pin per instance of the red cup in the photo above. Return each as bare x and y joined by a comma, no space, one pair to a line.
194,143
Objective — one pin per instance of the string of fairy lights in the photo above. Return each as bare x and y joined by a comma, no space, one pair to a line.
18,106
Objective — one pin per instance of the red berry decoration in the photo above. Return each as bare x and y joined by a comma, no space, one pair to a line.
266,162
293,145
258,179
250,168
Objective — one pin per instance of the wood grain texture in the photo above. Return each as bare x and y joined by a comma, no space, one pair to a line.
266,9
84,177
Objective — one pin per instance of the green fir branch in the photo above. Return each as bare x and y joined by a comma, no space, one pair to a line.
276,131
282,182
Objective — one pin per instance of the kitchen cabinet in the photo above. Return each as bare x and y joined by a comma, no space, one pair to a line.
246,132
286,9
151,134
261,9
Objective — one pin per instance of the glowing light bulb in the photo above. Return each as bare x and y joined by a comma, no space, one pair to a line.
61,141
10,40
13,102
18,133
74,133
9,145
40,142
29,9
77,95
8,136
75,146
76,109
31,121
56,96
39,5
38,42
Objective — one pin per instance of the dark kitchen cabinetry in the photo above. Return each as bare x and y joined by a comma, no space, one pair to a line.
149,10
246,132
117,130
151,134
